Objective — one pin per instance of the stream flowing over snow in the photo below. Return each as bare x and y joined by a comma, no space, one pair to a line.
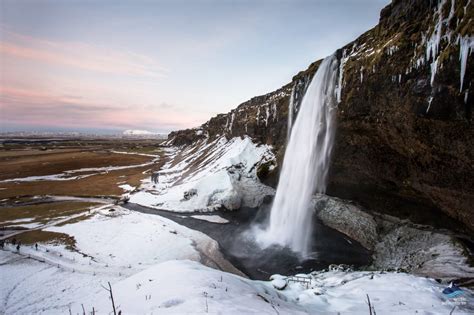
306,163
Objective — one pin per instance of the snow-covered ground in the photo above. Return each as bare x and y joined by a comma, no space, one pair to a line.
208,175
155,266
110,246
185,287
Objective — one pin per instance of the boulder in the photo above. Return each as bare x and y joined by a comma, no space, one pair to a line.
348,219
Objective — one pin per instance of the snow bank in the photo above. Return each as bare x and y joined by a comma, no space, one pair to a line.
209,175
110,246
185,287
122,238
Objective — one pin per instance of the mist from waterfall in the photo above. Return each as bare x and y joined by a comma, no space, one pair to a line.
306,163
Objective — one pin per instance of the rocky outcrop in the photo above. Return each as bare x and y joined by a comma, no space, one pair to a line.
404,143
348,219
420,250
398,244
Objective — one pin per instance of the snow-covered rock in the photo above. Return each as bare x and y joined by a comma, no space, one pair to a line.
219,173
279,283
347,218
397,244
420,250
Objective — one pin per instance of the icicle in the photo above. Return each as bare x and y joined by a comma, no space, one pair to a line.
226,123
338,89
450,16
432,46
434,69
466,45
430,99
231,121
246,123
267,114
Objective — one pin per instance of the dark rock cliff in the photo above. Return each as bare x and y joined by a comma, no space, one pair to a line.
404,143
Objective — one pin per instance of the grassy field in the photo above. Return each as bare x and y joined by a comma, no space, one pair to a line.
19,208
41,213
30,159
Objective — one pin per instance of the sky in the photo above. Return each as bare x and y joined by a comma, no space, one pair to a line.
110,65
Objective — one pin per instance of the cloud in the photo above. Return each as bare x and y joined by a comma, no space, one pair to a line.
44,108
78,55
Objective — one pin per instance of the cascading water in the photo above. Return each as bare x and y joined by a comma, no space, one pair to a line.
306,163
290,112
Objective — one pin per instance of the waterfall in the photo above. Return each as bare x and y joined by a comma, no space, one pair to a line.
290,111
306,163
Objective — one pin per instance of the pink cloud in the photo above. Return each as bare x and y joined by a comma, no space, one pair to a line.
40,86
43,108
80,56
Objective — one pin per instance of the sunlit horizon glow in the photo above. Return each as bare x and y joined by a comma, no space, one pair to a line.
157,65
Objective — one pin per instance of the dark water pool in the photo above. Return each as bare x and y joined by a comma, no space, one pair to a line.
238,246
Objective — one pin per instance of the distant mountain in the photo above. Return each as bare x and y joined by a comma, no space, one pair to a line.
136,133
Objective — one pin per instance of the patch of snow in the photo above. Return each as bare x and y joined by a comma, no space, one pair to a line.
134,153
105,235
55,177
211,218
127,187
182,287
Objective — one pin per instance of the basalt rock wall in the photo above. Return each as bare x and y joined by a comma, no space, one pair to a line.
404,141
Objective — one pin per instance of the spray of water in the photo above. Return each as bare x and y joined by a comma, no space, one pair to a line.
306,163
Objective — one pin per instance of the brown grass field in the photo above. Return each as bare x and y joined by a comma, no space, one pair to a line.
17,161
24,159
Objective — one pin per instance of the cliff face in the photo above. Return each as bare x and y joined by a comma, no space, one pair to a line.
404,143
